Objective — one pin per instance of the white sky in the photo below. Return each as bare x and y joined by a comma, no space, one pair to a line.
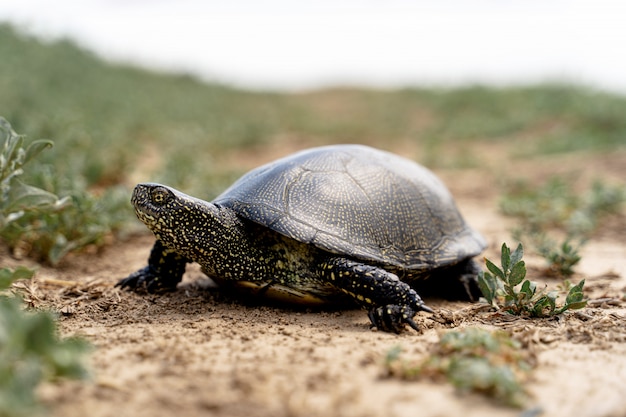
294,45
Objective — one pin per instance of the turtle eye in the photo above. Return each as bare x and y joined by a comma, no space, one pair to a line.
159,195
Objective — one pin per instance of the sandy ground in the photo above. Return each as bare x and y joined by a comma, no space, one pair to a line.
197,351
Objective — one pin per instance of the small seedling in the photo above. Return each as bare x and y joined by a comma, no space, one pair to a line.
507,288
561,258
472,359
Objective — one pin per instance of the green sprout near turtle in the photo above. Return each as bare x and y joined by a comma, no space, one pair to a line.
506,288
491,363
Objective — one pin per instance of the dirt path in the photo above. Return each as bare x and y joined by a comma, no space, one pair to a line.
199,352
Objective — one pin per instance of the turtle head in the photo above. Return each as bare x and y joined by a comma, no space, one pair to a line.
153,202
179,221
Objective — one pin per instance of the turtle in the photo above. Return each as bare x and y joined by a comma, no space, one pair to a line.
344,225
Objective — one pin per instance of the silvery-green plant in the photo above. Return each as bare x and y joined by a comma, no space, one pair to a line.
16,197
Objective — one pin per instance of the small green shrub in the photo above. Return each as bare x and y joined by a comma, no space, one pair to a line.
507,288
35,220
561,258
472,359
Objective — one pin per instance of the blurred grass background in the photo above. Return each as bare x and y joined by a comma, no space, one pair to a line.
114,125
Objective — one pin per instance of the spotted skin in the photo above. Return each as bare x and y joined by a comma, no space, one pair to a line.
295,258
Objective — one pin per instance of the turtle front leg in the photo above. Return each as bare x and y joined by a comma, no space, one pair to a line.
164,271
391,302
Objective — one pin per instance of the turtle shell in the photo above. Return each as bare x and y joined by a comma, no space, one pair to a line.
359,202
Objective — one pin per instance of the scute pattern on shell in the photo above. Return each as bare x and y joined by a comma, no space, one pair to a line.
359,202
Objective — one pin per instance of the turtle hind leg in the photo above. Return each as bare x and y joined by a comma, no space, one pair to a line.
391,302
164,271
456,282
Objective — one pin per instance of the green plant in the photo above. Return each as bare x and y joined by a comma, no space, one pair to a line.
22,206
557,206
35,221
8,276
561,258
31,351
472,359
507,288
16,197
86,219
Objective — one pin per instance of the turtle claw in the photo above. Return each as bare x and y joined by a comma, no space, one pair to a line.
392,317
135,280
412,324
145,279
427,309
